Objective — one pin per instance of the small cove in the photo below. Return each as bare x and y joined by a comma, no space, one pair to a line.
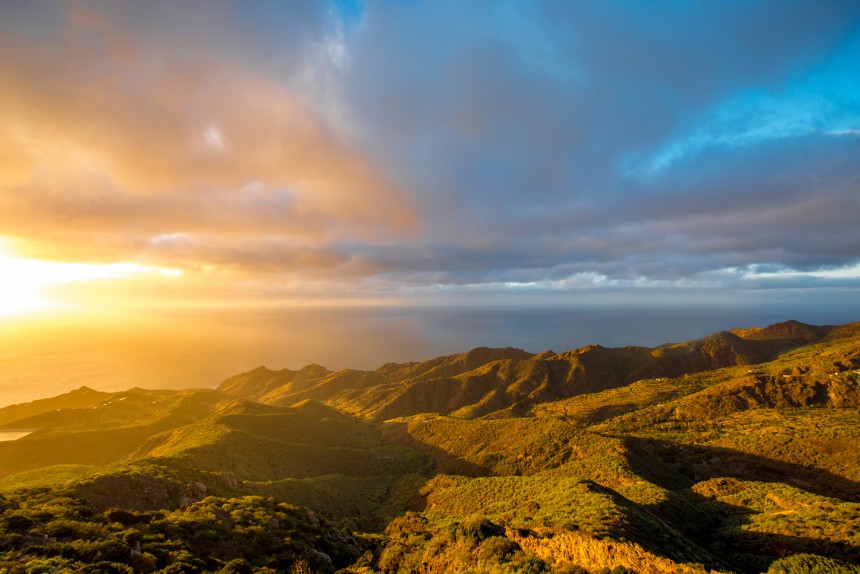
14,434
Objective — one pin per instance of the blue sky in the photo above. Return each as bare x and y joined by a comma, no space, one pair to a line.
411,151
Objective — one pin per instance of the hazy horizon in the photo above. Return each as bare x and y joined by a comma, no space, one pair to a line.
183,349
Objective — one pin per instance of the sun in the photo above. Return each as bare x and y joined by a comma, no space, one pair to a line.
23,282
21,299
20,287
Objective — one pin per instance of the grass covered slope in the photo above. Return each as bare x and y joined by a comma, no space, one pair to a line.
727,470
732,453
538,482
61,532
101,430
160,449
80,398
308,454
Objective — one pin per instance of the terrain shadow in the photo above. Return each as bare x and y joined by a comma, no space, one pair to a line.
722,530
679,466
443,462
719,526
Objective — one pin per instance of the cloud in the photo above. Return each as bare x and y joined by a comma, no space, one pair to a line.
128,137
511,123
435,147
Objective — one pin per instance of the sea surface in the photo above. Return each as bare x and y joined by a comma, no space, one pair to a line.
200,348
9,435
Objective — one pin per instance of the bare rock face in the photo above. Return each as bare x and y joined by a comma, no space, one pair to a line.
194,492
228,479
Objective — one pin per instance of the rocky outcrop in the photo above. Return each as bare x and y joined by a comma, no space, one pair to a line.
139,492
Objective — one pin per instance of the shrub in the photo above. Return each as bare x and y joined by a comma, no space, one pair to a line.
54,564
62,529
237,566
19,522
109,568
477,530
144,562
497,549
531,565
181,568
125,517
811,564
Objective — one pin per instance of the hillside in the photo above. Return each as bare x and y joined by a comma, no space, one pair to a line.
188,444
485,381
81,398
732,453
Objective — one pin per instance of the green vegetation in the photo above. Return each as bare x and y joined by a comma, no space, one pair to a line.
811,564
57,475
103,432
52,531
733,453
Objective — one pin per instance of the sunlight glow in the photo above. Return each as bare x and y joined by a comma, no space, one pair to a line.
24,279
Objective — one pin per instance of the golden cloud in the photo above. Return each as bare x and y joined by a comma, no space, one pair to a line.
115,147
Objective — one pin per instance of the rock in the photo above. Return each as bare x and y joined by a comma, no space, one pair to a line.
322,557
194,492
229,480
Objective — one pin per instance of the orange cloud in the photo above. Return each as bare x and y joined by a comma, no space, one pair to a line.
116,147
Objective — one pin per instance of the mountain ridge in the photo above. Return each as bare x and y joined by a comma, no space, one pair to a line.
484,380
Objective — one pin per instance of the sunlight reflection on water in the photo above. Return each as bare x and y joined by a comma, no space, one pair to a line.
9,435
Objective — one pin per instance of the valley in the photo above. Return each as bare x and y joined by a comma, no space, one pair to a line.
736,452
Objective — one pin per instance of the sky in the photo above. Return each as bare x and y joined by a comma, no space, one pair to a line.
400,152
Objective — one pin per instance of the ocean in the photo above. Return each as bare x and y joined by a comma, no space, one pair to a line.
200,348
